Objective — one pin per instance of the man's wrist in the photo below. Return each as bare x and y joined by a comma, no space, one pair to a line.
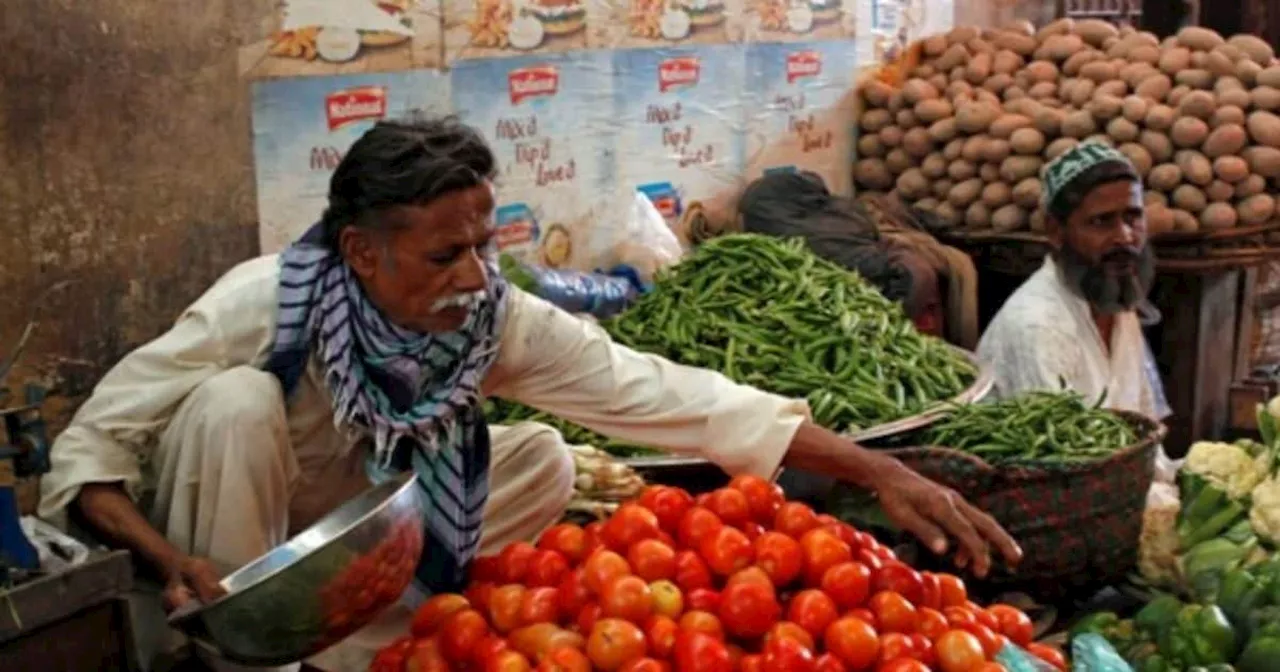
820,450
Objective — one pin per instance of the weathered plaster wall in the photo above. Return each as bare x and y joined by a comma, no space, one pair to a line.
124,136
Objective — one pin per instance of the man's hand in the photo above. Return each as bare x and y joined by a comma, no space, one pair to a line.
933,512
191,577
915,503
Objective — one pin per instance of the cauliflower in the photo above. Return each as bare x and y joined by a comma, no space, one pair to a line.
1227,466
1158,546
1264,515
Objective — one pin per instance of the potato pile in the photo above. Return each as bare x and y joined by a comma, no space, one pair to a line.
966,134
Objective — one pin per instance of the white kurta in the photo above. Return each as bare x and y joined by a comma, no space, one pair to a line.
234,471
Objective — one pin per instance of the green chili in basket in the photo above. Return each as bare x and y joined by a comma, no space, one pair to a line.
1039,426
769,313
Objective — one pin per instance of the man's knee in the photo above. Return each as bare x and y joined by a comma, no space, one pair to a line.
543,461
239,395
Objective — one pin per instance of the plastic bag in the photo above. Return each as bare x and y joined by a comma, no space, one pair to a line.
1015,659
1091,652
629,231
595,294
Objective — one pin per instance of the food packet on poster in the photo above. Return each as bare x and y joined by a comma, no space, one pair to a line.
629,231
577,292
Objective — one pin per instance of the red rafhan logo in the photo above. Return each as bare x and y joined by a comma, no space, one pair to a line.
532,82
677,72
352,105
801,64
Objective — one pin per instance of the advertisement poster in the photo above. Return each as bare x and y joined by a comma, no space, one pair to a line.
800,20
481,29
546,119
623,24
801,111
340,37
887,27
680,116
302,128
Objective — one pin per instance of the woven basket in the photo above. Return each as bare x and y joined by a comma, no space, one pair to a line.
1078,523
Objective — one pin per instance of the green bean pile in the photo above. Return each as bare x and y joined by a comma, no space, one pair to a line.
1038,426
769,313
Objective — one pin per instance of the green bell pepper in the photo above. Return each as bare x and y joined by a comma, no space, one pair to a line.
1200,635
1240,594
1262,653
1155,618
1154,663
1099,623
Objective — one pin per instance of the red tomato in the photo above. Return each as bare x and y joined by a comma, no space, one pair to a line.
595,537
629,524
991,640
731,506
567,540
488,649
932,623
547,568
848,583
813,610
748,609
614,643
485,569
701,621
958,616
894,613
902,665
764,498
954,593
504,607
854,642
726,551
924,649
697,525
660,632
433,612
669,505
869,558
508,661
652,560
627,598
931,596
645,665
573,594
822,550
461,632
750,575
1014,624
564,659
788,655
514,561
701,652
959,651
982,616
602,567
704,599
1048,654
425,656
792,631
992,666
901,579
751,663
845,531
896,645
865,616
794,519
540,605
779,556
691,572
828,663
752,530
587,618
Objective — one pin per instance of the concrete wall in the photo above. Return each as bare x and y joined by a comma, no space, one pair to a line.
124,134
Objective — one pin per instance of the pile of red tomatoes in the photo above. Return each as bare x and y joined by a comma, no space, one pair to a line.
735,579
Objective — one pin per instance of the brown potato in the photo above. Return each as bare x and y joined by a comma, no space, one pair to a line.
1165,177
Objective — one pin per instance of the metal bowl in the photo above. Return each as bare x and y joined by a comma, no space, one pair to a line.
321,586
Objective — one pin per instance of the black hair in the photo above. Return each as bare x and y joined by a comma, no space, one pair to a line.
1074,193
411,161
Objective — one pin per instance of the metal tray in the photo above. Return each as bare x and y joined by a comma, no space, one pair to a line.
976,391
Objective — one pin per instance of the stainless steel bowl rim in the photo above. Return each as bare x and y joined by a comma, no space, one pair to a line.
228,582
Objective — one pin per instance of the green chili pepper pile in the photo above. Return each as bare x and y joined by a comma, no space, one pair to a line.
769,313
1040,426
